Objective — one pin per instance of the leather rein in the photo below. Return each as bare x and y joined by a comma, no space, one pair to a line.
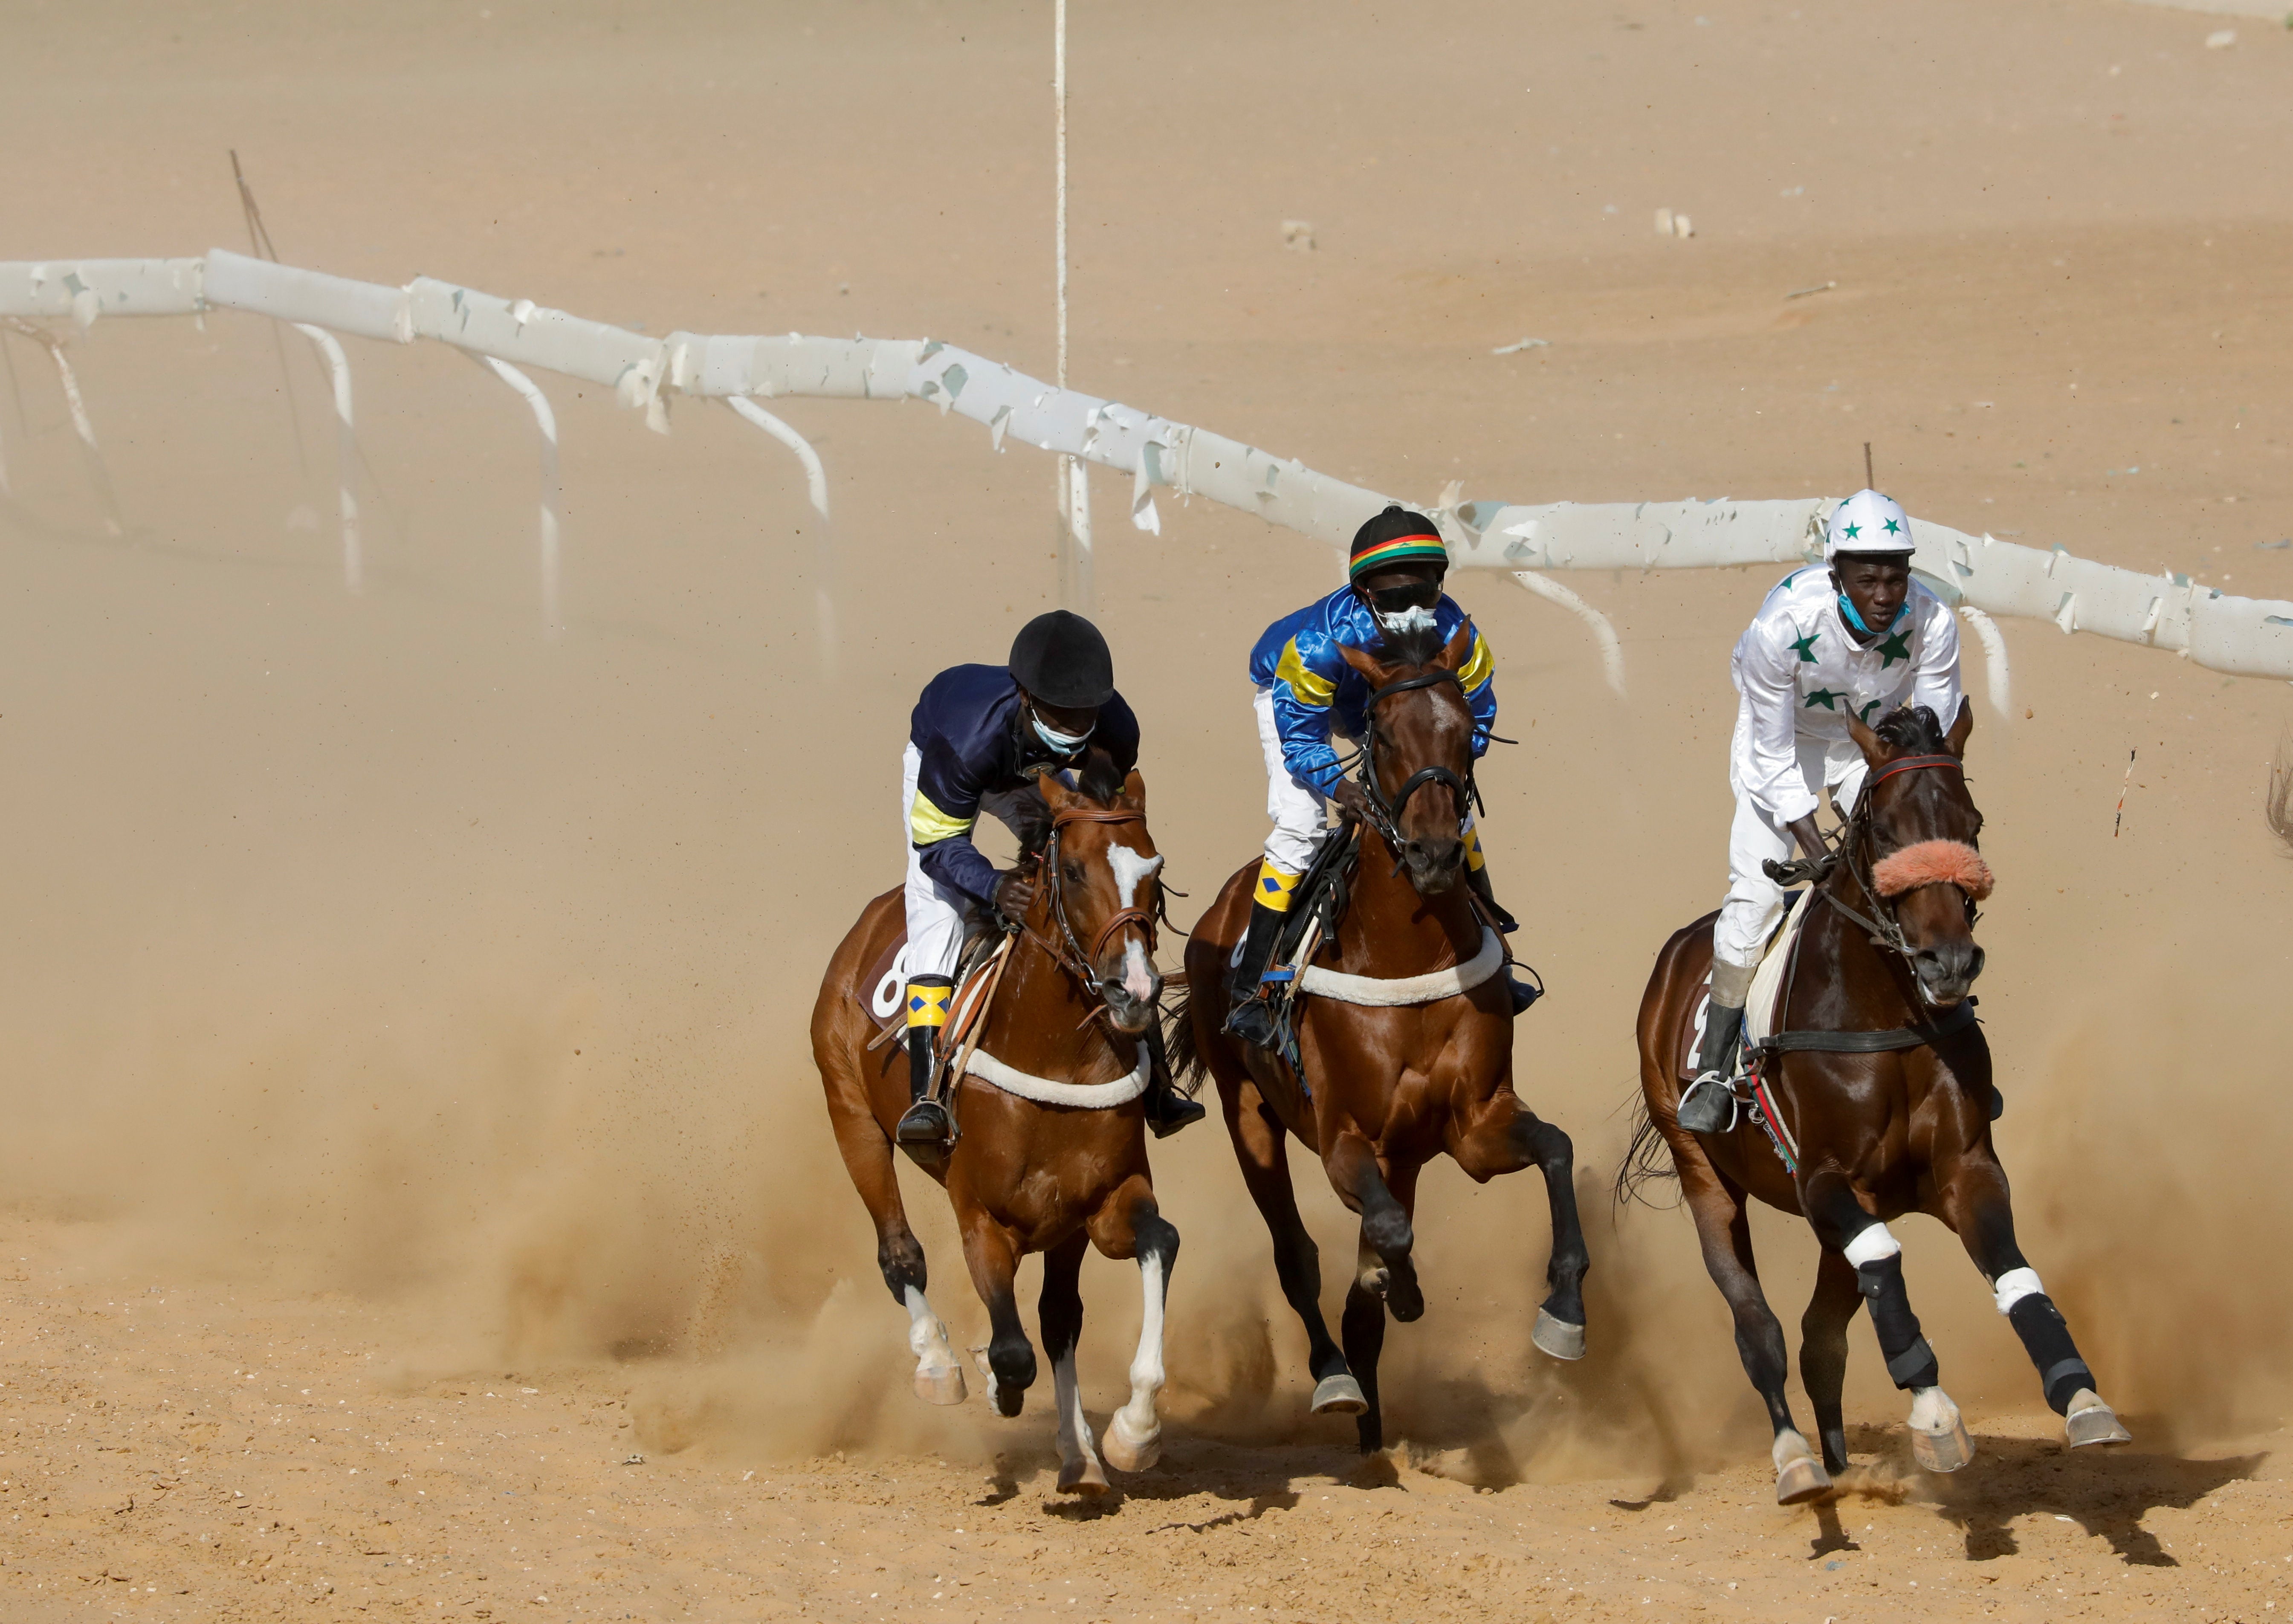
1385,815
1067,951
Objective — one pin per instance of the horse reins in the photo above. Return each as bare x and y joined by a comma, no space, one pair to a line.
1386,814
1886,930
1068,953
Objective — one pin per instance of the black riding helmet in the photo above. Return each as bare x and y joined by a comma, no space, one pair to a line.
1063,661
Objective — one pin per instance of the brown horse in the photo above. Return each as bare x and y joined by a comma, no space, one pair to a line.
1051,1155
1408,1049
1877,1081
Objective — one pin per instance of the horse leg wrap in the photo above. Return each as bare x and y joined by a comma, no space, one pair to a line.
2045,1337
1878,1260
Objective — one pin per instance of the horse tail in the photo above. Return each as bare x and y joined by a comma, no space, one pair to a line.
1647,1161
1185,1053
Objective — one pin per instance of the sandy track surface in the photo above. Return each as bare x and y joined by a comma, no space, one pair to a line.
408,1117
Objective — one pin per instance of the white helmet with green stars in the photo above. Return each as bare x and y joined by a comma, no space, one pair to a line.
1866,523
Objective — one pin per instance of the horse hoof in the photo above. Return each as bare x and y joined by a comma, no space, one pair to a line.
1126,1453
1083,1476
941,1386
2091,1421
1946,1450
1338,1395
1802,1480
1558,1337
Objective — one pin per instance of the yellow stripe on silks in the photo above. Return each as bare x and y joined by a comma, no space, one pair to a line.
1309,687
928,825
1473,858
1479,666
927,1005
1274,888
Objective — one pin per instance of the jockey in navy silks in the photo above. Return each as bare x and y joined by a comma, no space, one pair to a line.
1305,693
1857,636
979,735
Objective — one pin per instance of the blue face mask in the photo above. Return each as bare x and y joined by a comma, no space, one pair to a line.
1062,744
1847,613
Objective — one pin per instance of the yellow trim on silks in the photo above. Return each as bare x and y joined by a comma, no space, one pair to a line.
1473,858
1306,685
1274,888
1479,666
927,1003
928,825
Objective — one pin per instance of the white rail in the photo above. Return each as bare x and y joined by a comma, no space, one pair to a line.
2246,636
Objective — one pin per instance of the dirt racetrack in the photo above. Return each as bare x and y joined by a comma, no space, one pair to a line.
408,1121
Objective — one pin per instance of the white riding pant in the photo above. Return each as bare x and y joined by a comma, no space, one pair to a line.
1754,903
935,913
1299,811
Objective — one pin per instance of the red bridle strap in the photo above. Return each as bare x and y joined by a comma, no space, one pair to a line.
1912,764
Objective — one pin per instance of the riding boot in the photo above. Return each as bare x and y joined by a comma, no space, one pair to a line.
1167,1109
927,1125
1709,1104
1477,876
1251,1019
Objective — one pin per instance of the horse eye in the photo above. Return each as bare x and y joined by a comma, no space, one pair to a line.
1071,873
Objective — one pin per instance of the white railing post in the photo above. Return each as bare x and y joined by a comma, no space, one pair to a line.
545,420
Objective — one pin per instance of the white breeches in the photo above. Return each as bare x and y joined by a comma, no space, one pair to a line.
935,913
1754,903
1299,811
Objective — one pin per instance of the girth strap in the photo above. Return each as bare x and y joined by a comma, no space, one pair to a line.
1961,1017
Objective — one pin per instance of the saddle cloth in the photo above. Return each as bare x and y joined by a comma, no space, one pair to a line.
1760,1004
882,990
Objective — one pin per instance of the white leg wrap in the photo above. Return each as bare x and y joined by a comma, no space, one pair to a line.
2015,1284
1872,1245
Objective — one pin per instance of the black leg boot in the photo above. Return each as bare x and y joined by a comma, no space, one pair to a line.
1167,1109
1709,1105
1250,1020
927,1127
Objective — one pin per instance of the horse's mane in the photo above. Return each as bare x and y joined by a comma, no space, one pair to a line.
1416,646
1099,777
1913,730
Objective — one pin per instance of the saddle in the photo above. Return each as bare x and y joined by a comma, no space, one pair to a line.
882,992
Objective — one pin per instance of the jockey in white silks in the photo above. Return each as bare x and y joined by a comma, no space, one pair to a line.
1855,637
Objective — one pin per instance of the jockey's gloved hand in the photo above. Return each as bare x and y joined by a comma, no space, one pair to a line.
1799,871
1352,799
1015,894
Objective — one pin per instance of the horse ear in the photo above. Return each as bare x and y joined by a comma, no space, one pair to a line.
1961,726
1134,788
1378,672
1459,648
1874,747
1057,796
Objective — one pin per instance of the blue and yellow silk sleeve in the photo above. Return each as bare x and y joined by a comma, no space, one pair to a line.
1304,688
1478,677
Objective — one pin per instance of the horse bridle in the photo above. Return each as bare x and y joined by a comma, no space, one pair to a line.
1386,814
1069,952
1886,930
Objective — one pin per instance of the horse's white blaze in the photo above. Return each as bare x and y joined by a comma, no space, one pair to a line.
1075,1441
1130,868
1137,975
1136,1422
927,1335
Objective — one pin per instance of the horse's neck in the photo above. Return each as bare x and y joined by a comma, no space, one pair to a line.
1391,929
1037,1022
1850,981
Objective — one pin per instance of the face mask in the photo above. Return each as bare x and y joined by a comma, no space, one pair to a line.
1061,743
1409,619
1847,613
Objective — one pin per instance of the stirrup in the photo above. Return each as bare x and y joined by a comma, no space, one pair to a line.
1699,1117
1251,1021
924,1123
1168,1110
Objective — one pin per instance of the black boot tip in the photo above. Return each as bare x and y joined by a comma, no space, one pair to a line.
1174,1114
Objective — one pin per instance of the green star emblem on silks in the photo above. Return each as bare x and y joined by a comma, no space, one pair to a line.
1895,646
1852,531
1895,527
1826,698
1806,646
1864,715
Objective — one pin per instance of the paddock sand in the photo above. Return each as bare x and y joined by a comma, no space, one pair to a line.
409,1118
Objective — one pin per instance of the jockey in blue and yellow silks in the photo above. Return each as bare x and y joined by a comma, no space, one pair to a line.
1306,692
